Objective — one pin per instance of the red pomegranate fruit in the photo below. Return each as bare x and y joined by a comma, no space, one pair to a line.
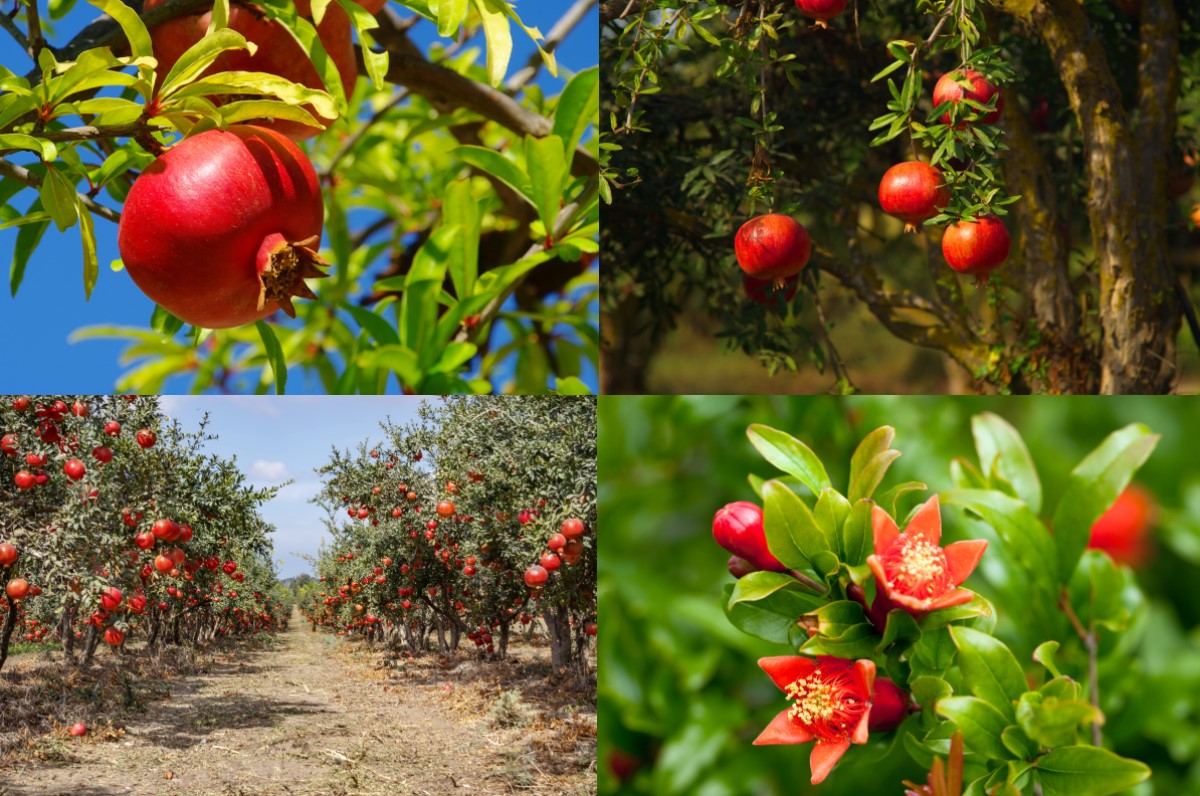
278,52
772,248
763,292
216,263
948,90
976,248
913,192
821,10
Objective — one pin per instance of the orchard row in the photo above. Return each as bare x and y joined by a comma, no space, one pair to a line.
116,526
473,522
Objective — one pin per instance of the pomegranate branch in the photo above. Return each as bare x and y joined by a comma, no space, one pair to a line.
1088,636
23,175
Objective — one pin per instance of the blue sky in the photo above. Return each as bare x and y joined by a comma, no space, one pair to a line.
277,439
50,304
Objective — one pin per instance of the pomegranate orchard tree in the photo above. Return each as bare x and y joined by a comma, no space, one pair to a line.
229,140
153,541
885,638
476,520
1040,148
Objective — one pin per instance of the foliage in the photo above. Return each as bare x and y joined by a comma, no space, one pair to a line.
455,194
514,470
715,112
681,697
77,539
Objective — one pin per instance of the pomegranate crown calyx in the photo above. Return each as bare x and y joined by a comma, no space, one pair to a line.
287,265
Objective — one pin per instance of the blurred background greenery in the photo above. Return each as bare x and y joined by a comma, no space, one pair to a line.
681,695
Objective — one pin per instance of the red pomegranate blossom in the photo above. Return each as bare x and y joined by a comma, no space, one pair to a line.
772,247
738,527
913,192
976,248
223,229
912,570
821,10
831,705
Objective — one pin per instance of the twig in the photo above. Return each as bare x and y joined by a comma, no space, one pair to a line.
21,174
34,23
90,133
566,217
15,32
560,31
362,131
835,359
1088,636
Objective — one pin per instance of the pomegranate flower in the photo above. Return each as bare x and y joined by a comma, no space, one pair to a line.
831,704
912,570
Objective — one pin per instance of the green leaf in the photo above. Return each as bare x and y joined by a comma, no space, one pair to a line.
254,110
990,670
790,455
1000,446
400,360
900,627
1044,654
871,446
890,499
857,539
450,15
1087,771
199,57
830,513
494,16
87,234
275,355
981,725
576,108
547,175
842,629
131,25
571,386
1016,741
58,197
766,604
45,149
28,237
419,304
453,357
872,474
793,536
460,209
1093,486
1024,536
498,166
379,329
1053,722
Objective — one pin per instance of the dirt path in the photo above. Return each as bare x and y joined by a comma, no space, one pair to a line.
308,715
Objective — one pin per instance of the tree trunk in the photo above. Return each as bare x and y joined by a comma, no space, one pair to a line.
1127,195
10,621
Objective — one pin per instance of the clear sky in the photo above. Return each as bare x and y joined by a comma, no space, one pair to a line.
277,439
50,304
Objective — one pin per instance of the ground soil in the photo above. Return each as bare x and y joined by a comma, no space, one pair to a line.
300,714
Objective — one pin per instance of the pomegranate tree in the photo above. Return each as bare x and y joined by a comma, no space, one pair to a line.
212,263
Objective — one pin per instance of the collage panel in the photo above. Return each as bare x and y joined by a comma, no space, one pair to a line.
910,595
309,197
901,197
298,595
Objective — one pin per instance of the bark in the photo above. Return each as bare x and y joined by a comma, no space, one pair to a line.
10,621
625,352
1127,196
503,648
89,649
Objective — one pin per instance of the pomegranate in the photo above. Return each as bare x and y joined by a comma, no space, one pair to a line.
278,52
977,248
536,576
821,10
24,480
1124,530
102,454
8,444
572,528
145,437
78,729
114,636
948,90
74,469
110,598
549,562
8,555
762,292
772,247
112,428
17,588
445,508
216,264
557,542
913,192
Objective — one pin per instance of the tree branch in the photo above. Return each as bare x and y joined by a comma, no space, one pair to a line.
619,9
1088,636
23,175
408,67
560,31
